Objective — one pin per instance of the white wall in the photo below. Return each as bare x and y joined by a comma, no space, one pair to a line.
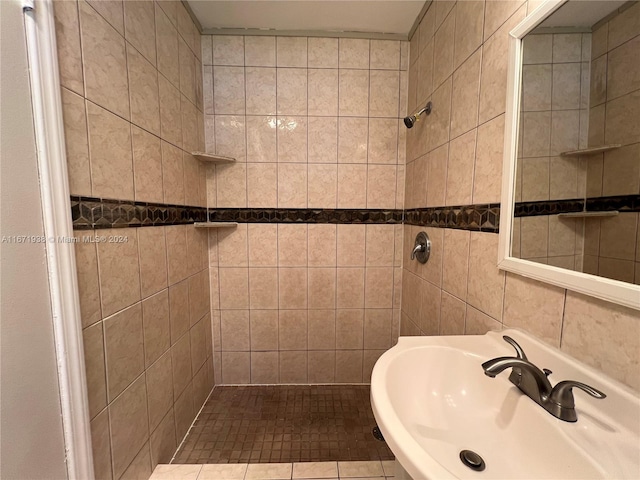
31,439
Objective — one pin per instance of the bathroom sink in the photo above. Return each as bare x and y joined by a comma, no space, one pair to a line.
432,400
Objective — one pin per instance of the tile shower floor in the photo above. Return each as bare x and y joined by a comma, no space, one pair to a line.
282,424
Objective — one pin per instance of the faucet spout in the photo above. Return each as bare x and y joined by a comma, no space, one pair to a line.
532,380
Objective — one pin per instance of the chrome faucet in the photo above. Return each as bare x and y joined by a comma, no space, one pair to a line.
534,383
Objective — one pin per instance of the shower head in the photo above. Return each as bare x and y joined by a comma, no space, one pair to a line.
411,120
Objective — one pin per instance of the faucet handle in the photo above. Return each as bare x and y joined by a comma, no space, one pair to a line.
519,352
562,393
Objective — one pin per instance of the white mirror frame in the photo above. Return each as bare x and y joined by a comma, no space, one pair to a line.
614,291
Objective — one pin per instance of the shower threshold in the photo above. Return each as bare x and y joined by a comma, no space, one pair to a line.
283,424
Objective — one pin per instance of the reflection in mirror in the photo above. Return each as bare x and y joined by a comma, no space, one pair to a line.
578,163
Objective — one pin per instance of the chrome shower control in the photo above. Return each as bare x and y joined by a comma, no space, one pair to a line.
421,248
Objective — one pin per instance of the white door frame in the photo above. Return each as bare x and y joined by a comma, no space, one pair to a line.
61,264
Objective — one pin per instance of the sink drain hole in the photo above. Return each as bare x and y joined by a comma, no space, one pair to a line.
377,434
472,460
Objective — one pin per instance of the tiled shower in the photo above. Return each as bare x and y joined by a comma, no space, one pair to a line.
314,123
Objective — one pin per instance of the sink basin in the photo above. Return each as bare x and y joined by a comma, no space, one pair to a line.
432,400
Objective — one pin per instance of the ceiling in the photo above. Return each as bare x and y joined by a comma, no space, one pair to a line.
364,16
581,14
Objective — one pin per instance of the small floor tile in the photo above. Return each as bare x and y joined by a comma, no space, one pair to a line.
176,472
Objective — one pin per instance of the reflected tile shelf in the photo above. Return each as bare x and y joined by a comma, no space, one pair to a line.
611,213
212,158
583,152
215,224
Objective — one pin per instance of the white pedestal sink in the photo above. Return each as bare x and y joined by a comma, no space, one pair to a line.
432,400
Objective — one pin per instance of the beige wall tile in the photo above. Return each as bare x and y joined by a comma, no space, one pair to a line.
349,366
383,93
293,367
379,245
93,340
260,91
536,307
592,326
381,186
378,287
292,328
163,441
262,185
322,287
323,186
443,50
167,46
291,51
488,167
101,445
184,412
264,330
354,53
231,186
620,124
351,245
352,181
322,139
292,91
292,245
181,365
322,330
228,50
624,26
170,116
123,338
110,153
438,126
323,85
354,93
264,367
429,298
172,174
383,140
88,281
234,288
229,90
459,187
263,247
352,140
261,139
385,54
452,315
199,295
455,262
230,138
292,139
119,272
377,328
321,366
76,141
176,253
129,425
178,310
68,45
351,290
147,166
292,288
156,326
477,323
468,30
322,52
262,294
236,368
104,60
322,245
260,51
233,247
466,87
486,282
143,91
160,392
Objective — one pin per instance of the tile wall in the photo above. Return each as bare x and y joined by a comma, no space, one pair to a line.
554,119
133,111
459,58
612,245
314,123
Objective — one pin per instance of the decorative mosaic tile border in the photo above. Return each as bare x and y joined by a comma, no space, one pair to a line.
90,213
478,218
304,215
622,203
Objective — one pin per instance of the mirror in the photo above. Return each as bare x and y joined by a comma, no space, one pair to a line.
572,156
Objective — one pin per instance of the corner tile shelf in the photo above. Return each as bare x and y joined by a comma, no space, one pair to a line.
583,152
211,158
215,224
611,213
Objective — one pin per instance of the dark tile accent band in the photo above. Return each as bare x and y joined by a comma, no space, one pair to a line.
478,218
304,215
622,203
90,213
